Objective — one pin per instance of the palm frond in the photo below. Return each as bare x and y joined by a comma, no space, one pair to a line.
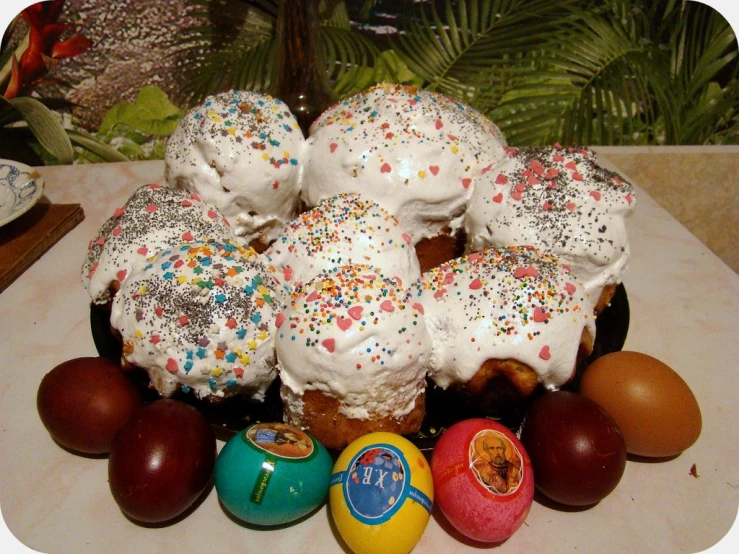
605,80
450,50
231,49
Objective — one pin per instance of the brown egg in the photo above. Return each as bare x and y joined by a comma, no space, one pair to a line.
655,409
161,461
84,402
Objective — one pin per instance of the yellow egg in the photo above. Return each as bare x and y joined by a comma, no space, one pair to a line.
381,494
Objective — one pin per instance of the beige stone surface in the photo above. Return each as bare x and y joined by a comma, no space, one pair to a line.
699,186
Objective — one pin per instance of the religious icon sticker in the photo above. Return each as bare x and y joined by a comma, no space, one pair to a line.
377,483
279,440
495,462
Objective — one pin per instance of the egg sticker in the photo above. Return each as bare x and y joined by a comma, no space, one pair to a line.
377,483
280,440
495,462
276,441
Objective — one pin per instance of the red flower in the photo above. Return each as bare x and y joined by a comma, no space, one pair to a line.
44,47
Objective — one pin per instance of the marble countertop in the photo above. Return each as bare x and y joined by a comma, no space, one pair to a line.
684,303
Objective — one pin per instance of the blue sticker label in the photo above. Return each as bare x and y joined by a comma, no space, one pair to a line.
376,484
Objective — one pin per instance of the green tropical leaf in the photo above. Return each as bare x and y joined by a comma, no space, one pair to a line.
46,128
105,152
152,114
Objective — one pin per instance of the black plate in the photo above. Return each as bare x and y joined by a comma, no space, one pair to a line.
442,408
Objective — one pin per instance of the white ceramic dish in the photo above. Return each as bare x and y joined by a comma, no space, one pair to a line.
20,188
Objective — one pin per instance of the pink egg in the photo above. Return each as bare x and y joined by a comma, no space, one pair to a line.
483,480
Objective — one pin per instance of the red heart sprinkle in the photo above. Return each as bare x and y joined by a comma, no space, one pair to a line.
329,344
439,124
172,366
558,158
544,353
288,273
501,179
187,236
540,315
386,168
451,137
487,168
547,206
312,296
571,206
570,288
121,275
576,176
151,208
356,312
629,199
387,306
332,147
212,214
434,169
186,203
476,284
571,165
159,311
344,323
406,238
195,196
466,182
279,320
595,194
498,198
418,307
516,195
551,173
100,241
119,212
183,320
143,250
155,339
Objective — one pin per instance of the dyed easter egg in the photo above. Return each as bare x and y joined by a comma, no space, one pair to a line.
84,402
272,474
161,461
652,405
576,448
483,479
381,494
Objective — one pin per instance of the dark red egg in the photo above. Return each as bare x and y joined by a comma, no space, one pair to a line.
161,461
84,402
577,450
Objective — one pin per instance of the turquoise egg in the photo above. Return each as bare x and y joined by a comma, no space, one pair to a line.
272,474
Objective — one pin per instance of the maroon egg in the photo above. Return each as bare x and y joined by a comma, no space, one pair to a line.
576,448
161,461
84,402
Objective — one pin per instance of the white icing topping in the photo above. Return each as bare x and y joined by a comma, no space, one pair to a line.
415,152
344,229
200,315
512,303
241,151
559,200
153,218
357,336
